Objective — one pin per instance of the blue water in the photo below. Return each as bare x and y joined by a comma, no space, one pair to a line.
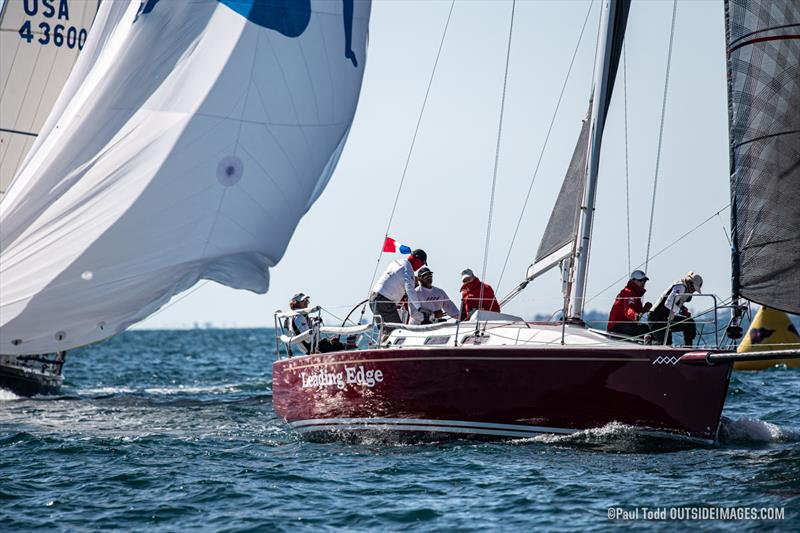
174,430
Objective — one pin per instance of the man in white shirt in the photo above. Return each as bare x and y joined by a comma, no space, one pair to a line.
397,281
433,302
670,313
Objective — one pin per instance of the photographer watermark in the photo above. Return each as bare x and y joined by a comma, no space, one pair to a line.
695,513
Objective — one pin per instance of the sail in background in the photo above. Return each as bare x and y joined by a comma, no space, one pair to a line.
764,109
39,43
770,330
189,142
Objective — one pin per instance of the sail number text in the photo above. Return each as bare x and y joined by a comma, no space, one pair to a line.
55,34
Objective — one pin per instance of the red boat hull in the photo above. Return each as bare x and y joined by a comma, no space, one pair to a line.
499,392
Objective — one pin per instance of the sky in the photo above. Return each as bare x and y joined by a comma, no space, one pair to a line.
443,205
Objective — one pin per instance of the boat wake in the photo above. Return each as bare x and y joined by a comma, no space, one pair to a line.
101,392
615,437
755,431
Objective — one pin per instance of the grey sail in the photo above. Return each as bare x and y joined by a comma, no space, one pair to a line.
763,44
563,224
559,236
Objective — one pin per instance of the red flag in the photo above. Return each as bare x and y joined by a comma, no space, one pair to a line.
389,245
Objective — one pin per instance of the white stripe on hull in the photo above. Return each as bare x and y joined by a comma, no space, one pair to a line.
452,426
427,422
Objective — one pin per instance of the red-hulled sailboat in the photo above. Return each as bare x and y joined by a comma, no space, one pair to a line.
512,379
499,376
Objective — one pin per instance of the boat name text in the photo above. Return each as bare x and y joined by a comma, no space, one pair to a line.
352,375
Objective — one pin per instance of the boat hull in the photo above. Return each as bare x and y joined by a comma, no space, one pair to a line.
31,375
498,392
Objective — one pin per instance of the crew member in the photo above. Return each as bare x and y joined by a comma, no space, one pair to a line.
628,309
302,322
397,281
476,294
433,302
670,313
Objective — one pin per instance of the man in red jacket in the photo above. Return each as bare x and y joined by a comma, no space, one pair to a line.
628,308
476,294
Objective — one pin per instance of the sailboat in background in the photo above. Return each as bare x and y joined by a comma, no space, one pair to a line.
770,330
187,144
497,375
39,44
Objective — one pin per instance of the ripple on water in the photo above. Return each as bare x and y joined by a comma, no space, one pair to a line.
175,431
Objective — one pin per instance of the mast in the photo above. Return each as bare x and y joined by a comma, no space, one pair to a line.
599,106
734,331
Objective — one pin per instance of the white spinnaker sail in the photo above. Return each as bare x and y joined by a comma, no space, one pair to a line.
190,147
39,43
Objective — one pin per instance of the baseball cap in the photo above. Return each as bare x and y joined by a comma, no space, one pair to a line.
299,297
424,271
421,255
467,273
639,275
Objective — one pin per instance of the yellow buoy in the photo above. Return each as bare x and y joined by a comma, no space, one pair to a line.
770,330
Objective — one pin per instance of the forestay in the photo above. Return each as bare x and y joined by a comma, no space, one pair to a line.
764,105
189,141
39,43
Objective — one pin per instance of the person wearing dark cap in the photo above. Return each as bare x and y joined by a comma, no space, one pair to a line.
476,294
433,301
628,309
397,281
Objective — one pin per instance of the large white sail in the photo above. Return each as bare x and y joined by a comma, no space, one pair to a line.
39,43
187,146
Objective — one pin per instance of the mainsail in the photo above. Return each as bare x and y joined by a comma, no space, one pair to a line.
763,39
39,43
188,143
558,240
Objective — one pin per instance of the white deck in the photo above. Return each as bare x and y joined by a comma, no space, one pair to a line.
494,329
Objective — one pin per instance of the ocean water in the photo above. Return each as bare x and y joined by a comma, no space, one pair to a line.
174,430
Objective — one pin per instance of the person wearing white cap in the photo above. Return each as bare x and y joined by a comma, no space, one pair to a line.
670,313
300,323
628,309
433,302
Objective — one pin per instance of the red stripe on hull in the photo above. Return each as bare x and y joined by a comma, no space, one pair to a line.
570,388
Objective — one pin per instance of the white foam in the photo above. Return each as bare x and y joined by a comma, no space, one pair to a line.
612,431
178,389
755,430
7,395
107,390
183,389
